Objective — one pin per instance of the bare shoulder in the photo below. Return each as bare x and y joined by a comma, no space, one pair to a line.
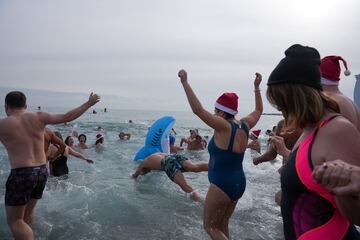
338,139
239,122
340,127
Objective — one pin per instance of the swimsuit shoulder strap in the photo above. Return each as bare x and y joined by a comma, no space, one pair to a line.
323,123
234,127
245,128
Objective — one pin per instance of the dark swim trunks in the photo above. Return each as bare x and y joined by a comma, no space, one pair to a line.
173,163
24,184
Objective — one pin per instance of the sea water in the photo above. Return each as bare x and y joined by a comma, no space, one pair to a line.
102,201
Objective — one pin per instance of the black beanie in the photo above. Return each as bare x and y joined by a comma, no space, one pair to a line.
301,65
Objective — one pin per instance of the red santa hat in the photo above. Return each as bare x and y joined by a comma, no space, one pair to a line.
330,70
256,133
228,102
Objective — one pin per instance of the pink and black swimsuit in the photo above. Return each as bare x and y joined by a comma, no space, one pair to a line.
309,211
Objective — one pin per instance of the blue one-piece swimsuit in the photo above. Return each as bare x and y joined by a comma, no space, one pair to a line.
225,166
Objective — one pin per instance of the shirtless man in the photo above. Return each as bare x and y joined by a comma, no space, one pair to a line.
22,134
193,134
197,144
330,77
173,165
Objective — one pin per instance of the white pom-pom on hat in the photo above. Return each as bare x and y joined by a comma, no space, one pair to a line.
347,72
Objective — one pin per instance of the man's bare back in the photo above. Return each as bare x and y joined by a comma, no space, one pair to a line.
22,133
347,107
23,136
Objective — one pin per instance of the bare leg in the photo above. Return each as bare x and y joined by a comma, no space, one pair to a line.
225,221
191,167
15,219
29,212
217,212
180,180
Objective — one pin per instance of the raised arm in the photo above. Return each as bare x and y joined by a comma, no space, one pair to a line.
71,115
254,117
211,120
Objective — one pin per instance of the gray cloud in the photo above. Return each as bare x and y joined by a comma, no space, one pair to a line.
134,48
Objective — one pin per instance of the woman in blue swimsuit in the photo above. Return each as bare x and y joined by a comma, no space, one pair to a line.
226,149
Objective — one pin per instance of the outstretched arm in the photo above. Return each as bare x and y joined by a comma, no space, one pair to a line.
254,117
79,155
269,155
71,115
211,120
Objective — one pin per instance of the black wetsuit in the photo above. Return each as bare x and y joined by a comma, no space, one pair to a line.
59,166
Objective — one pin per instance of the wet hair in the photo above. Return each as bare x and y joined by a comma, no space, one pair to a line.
82,135
294,101
15,99
67,139
227,115
58,134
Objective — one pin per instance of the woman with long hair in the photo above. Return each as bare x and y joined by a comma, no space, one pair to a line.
309,207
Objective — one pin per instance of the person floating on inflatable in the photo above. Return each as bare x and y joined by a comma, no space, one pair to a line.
157,138
174,165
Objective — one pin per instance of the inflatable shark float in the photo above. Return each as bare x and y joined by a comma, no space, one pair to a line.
157,138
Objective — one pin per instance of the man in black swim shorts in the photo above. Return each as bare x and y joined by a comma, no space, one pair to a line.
22,134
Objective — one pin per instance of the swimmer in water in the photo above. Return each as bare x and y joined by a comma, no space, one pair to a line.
58,166
173,165
82,141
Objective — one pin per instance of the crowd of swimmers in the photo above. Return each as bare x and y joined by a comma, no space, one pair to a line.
318,139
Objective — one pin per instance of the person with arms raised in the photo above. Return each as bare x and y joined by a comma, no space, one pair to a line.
226,149
22,134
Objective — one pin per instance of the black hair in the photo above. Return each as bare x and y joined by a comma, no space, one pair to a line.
15,99
82,135
67,140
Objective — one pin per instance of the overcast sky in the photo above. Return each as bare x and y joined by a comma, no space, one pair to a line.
131,50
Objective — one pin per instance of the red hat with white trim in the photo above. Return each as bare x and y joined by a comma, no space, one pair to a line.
228,102
256,133
330,70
